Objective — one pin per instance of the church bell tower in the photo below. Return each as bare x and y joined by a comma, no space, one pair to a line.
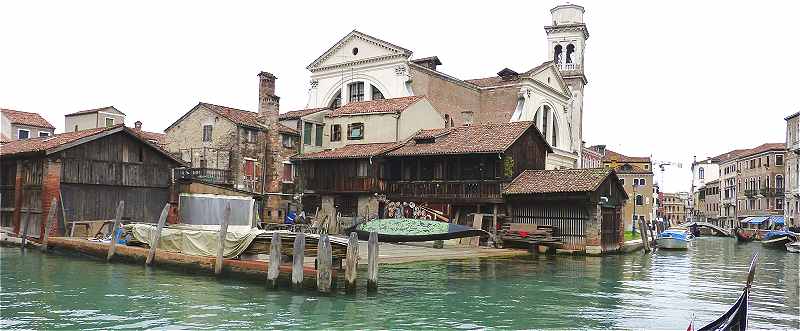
566,42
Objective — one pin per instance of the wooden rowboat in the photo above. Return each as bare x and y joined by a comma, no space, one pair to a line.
742,236
414,230
778,239
736,317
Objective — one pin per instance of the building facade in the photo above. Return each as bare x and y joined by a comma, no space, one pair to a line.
760,181
363,68
15,124
675,208
792,208
93,119
636,175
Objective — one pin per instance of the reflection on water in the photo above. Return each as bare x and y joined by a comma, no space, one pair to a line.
659,291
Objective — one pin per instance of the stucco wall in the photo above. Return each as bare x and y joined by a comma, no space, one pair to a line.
188,133
446,96
90,121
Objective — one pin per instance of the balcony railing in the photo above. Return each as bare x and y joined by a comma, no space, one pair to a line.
208,175
450,190
567,66
750,193
344,184
772,192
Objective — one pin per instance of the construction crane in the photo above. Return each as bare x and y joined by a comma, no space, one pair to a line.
662,166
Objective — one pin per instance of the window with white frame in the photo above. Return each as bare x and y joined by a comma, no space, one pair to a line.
109,121
356,91
23,134
44,134
288,172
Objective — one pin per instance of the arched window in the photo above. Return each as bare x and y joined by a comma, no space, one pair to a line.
541,119
639,200
518,111
554,139
337,100
701,173
570,51
446,120
557,54
376,93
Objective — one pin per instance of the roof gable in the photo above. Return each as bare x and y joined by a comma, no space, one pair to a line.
560,181
26,118
237,116
109,109
368,47
548,75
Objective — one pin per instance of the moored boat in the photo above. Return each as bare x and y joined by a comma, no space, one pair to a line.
742,236
414,230
674,239
793,247
736,317
778,239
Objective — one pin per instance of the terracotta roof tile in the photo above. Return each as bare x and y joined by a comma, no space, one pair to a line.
44,143
481,138
394,105
238,116
89,111
557,181
724,157
26,118
492,81
763,148
352,151
295,114
287,130
151,136
612,156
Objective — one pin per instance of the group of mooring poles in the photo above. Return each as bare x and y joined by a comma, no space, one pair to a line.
324,272
648,240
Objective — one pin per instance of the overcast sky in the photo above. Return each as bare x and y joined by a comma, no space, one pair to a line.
669,79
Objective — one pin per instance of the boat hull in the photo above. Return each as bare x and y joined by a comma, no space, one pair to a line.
413,230
777,242
793,247
672,243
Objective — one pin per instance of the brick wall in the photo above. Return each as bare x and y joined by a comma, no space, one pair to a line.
51,187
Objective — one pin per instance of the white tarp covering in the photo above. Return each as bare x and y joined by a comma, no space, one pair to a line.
208,209
194,240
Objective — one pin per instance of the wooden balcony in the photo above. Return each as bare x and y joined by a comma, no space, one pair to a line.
466,191
208,175
344,184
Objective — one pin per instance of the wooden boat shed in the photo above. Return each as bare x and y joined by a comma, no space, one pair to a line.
585,205
88,172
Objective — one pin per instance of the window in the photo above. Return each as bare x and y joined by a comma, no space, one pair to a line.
766,159
779,181
363,168
778,160
207,131
355,131
701,173
44,134
337,100
336,132
23,134
109,121
288,172
76,127
778,203
376,94
250,135
646,167
356,91
639,200
318,135
622,181
642,182
287,140
307,129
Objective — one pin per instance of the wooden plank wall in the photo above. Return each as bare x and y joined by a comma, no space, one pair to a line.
570,221
98,202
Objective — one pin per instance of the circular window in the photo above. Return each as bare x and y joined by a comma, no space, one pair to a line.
355,50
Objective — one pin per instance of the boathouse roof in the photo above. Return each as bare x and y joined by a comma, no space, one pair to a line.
558,181
352,151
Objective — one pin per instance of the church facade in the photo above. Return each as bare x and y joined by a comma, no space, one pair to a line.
360,67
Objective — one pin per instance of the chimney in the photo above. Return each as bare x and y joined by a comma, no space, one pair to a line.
428,62
268,102
138,125
467,117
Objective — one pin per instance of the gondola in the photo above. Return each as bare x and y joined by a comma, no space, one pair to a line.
778,239
414,230
742,236
736,317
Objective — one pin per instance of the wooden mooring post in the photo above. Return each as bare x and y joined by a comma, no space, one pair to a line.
298,255
273,269
156,238
112,248
50,216
223,233
645,242
324,261
351,263
27,221
372,262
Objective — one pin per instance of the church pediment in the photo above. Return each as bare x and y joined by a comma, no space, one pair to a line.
547,74
356,47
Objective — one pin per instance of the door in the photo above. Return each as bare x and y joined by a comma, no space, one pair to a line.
609,229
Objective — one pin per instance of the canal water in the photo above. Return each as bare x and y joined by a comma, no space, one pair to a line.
664,290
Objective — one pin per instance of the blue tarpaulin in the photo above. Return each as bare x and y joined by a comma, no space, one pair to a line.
755,220
778,220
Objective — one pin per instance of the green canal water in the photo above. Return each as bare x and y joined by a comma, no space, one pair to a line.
659,291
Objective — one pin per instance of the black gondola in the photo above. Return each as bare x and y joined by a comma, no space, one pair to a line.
736,317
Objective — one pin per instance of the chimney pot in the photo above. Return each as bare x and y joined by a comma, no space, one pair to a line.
138,125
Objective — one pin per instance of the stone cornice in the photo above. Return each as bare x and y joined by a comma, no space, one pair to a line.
568,28
355,34
444,76
358,62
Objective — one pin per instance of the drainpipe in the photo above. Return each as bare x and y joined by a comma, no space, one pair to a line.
396,126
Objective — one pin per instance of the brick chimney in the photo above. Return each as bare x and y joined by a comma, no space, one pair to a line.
268,102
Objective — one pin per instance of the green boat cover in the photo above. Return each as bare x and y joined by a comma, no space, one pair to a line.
405,226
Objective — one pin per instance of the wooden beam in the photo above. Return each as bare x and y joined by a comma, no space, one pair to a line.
372,262
27,220
156,238
117,218
273,269
223,233
324,264
51,214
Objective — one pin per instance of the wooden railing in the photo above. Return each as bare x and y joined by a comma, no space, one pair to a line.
214,176
451,190
345,184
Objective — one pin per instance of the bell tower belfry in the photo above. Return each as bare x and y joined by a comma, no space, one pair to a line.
566,42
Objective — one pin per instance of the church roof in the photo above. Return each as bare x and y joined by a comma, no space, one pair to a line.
357,34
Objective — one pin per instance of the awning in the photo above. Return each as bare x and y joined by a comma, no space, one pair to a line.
777,219
755,220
